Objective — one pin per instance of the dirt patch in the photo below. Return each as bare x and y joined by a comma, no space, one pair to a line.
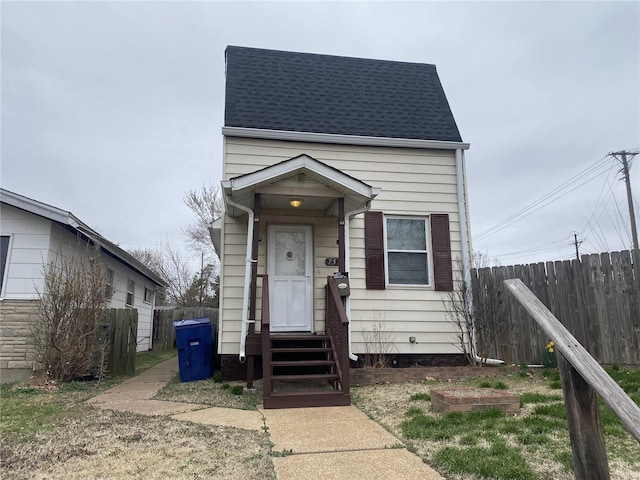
107,444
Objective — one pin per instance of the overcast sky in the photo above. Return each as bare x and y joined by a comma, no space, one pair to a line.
113,110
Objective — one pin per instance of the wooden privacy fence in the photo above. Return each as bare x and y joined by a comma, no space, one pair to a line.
164,335
582,378
123,331
597,299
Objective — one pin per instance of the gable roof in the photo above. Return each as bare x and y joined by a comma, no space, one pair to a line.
71,222
355,192
302,92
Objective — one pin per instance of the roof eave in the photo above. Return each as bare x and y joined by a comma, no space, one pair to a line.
64,217
313,137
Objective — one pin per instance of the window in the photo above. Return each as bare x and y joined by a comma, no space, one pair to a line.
131,287
407,252
148,295
400,253
4,253
109,276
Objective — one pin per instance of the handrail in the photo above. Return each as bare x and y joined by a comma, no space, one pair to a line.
581,375
337,325
265,327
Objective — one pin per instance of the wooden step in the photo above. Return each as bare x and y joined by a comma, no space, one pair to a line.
286,337
302,378
300,349
301,363
308,398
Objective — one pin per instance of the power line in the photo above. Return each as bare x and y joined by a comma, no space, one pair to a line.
550,197
600,199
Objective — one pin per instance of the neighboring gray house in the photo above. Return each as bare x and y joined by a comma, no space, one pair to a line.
34,234
335,164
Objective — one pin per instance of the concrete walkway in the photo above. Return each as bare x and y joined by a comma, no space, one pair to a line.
312,443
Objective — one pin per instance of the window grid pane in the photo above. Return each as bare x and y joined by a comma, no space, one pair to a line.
407,253
406,234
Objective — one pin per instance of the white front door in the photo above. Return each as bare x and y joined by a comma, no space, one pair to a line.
290,269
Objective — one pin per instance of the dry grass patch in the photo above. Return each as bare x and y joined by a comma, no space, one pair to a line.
212,393
92,443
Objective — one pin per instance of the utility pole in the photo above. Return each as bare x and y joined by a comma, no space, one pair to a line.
625,174
577,244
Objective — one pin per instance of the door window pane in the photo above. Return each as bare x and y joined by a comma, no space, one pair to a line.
290,254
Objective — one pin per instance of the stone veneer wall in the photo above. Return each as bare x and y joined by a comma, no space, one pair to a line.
16,343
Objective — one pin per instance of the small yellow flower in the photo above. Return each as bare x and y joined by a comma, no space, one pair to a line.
550,346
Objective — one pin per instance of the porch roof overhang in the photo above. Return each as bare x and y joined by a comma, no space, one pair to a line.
329,185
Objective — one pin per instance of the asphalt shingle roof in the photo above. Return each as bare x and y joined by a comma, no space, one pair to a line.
302,92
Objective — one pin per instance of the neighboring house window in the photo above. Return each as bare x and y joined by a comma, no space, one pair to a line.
4,254
406,257
131,287
148,295
110,275
407,252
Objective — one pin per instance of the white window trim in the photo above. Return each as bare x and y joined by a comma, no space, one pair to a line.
151,292
7,260
428,252
110,286
127,292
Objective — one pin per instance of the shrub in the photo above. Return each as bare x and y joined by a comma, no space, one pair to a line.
70,334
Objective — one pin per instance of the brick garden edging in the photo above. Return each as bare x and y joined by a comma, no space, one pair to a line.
361,377
471,399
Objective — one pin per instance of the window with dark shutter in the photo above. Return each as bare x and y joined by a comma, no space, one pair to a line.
441,243
374,250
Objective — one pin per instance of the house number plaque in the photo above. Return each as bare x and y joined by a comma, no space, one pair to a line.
331,261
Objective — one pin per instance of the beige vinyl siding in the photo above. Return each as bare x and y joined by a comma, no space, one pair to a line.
412,181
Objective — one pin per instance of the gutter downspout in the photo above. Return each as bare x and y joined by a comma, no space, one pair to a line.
464,240
347,266
247,279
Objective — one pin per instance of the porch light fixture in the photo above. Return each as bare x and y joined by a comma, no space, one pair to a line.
295,202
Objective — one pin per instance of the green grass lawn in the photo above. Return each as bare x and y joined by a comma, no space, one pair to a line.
532,445
28,408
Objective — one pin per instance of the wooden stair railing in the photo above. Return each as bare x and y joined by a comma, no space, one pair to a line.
265,332
298,368
337,327
582,378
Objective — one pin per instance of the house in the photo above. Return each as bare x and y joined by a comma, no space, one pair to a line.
345,197
34,234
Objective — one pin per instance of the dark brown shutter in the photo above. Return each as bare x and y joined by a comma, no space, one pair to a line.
374,250
441,243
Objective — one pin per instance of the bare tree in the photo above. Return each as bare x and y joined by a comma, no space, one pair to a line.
70,332
206,204
170,263
479,317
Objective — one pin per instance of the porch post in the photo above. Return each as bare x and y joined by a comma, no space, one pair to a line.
341,245
254,283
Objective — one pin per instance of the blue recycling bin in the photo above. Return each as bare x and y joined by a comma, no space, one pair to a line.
194,339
